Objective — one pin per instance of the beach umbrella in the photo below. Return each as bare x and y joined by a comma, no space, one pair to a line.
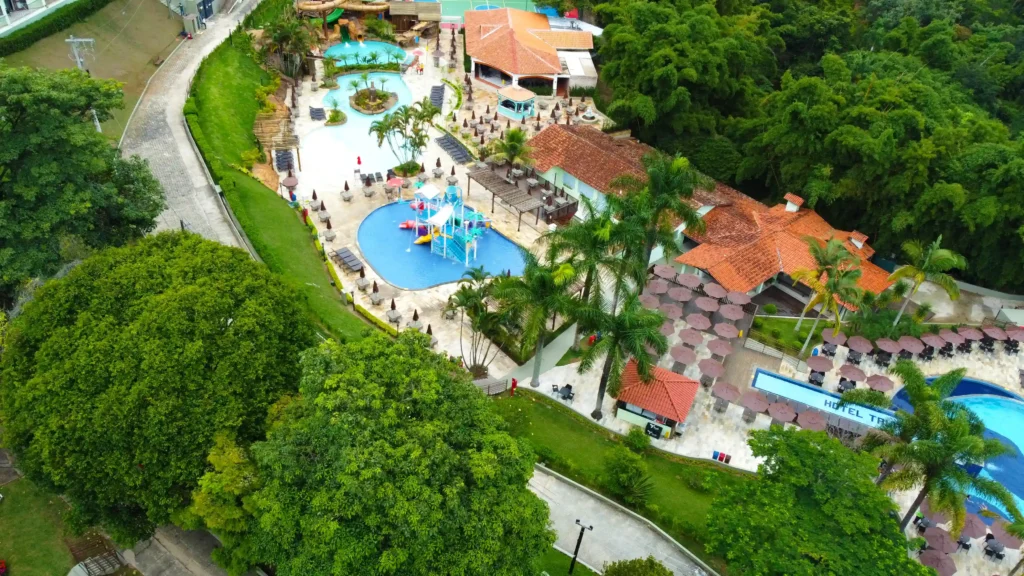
781,411
346,185
375,289
488,110
951,337
969,332
395,183
707,304
657,287
754,400
731,312
880,383
667,328
738,298
720,347
725,391
911,344
680,294
860,344
994,332
715,290
711,368
650,301
851,372
999,531
290,182
838,338
933,515
940,561
323,206
328,224
1015,334
665,271
810,420
314,195
691,337
438,163
724,330
887,345
392,304
819,363
691,281
974,527
671,311
933,340
683,355
698,321
939,539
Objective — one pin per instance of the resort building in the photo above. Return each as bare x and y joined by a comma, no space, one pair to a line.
659,406
508,46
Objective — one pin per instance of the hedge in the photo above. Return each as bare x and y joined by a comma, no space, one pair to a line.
48,25
467,62
376,321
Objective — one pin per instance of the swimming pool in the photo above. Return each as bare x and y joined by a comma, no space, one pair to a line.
391,253
355,51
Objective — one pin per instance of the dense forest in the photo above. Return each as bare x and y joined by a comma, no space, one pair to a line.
898,118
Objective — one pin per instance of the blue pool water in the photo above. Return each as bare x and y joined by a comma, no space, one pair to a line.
1003,415
391,253
355,50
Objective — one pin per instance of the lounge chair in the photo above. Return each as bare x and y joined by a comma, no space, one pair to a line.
378,177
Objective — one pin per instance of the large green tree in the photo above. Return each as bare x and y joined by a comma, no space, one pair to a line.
813,509
389,461
61,183
116,377
928,263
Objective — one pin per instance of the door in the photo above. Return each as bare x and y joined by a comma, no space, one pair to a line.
205,8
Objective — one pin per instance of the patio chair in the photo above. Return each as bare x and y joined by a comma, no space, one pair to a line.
377,177
554,388
571,397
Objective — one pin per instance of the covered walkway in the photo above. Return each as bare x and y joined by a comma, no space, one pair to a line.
519,200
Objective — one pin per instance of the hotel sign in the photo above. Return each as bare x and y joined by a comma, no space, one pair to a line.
818,399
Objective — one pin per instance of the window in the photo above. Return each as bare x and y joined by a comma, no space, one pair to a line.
568,180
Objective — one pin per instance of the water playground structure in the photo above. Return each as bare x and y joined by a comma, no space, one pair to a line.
332,11
443,221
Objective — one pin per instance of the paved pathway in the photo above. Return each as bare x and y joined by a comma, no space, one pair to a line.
156,132
616,534
553,352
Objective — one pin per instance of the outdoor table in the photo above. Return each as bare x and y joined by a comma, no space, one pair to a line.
517,173
924,523
453,180
846,385
853,357
829,349
324,216
995,546
438,172
817,378
376,298
422,177
531,182
362,283
565,391
394,316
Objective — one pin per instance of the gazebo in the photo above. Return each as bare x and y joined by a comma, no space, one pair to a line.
516,102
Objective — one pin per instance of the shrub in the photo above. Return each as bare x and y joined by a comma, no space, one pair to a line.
582,91
776,333
380,28
626,477
637,567
251,157
758,323
48,25
701,481
637,441
467,62
336,116
376,321
771,309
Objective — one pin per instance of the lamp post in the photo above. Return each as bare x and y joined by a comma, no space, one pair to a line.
583,528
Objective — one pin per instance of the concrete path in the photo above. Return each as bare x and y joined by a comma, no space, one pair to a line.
616,534
553,352
176,552
156,132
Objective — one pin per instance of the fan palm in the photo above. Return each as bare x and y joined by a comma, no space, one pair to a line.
626,334
513,149
928,263
659,199
839,286
531,299
827,257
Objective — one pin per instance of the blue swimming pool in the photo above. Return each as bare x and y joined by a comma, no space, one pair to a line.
356,52
391,253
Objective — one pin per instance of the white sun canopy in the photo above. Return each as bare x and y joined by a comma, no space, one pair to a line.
429,191
442,215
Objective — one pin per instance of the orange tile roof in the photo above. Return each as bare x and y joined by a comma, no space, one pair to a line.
590,155
794,199
502,39
667,394
746,243
566,39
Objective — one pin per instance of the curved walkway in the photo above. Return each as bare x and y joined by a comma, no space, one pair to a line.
156,132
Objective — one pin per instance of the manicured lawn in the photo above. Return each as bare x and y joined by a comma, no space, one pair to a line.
683,489
788,340
31,531
225,95
571,356
557,564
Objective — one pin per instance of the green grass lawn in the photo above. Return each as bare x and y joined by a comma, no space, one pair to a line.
32,530
225,95
788,340
683,489
556,563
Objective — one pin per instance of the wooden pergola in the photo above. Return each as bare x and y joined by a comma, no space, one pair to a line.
520,200
274,132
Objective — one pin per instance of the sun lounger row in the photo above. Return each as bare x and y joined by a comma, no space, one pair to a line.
454,148
283,160
317,114
437,96
346,257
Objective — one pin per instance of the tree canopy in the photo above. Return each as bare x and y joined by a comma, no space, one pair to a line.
813,509
61,182
388,461
116,378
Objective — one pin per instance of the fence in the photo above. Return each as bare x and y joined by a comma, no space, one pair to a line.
752,344
493,386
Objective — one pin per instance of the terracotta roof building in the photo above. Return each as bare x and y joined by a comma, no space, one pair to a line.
507,45
587,155
659,405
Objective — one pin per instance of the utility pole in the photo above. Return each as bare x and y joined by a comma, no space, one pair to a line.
79,48
583,529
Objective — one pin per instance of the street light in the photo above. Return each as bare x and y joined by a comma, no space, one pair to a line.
583,528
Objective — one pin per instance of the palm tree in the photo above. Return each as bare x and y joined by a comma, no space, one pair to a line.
289,37
383,81
373,57
830,293
470,298
365,79
540,293
659,199
626,334
827,257
513,149
1017,529
928,263
354,84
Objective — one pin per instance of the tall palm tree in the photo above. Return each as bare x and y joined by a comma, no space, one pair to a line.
531,299
827,257
928,263
625,334
830,293
659,199
289,37
513,149
1016,527
475,288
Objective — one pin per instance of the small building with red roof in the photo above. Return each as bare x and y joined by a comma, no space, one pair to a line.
661,405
